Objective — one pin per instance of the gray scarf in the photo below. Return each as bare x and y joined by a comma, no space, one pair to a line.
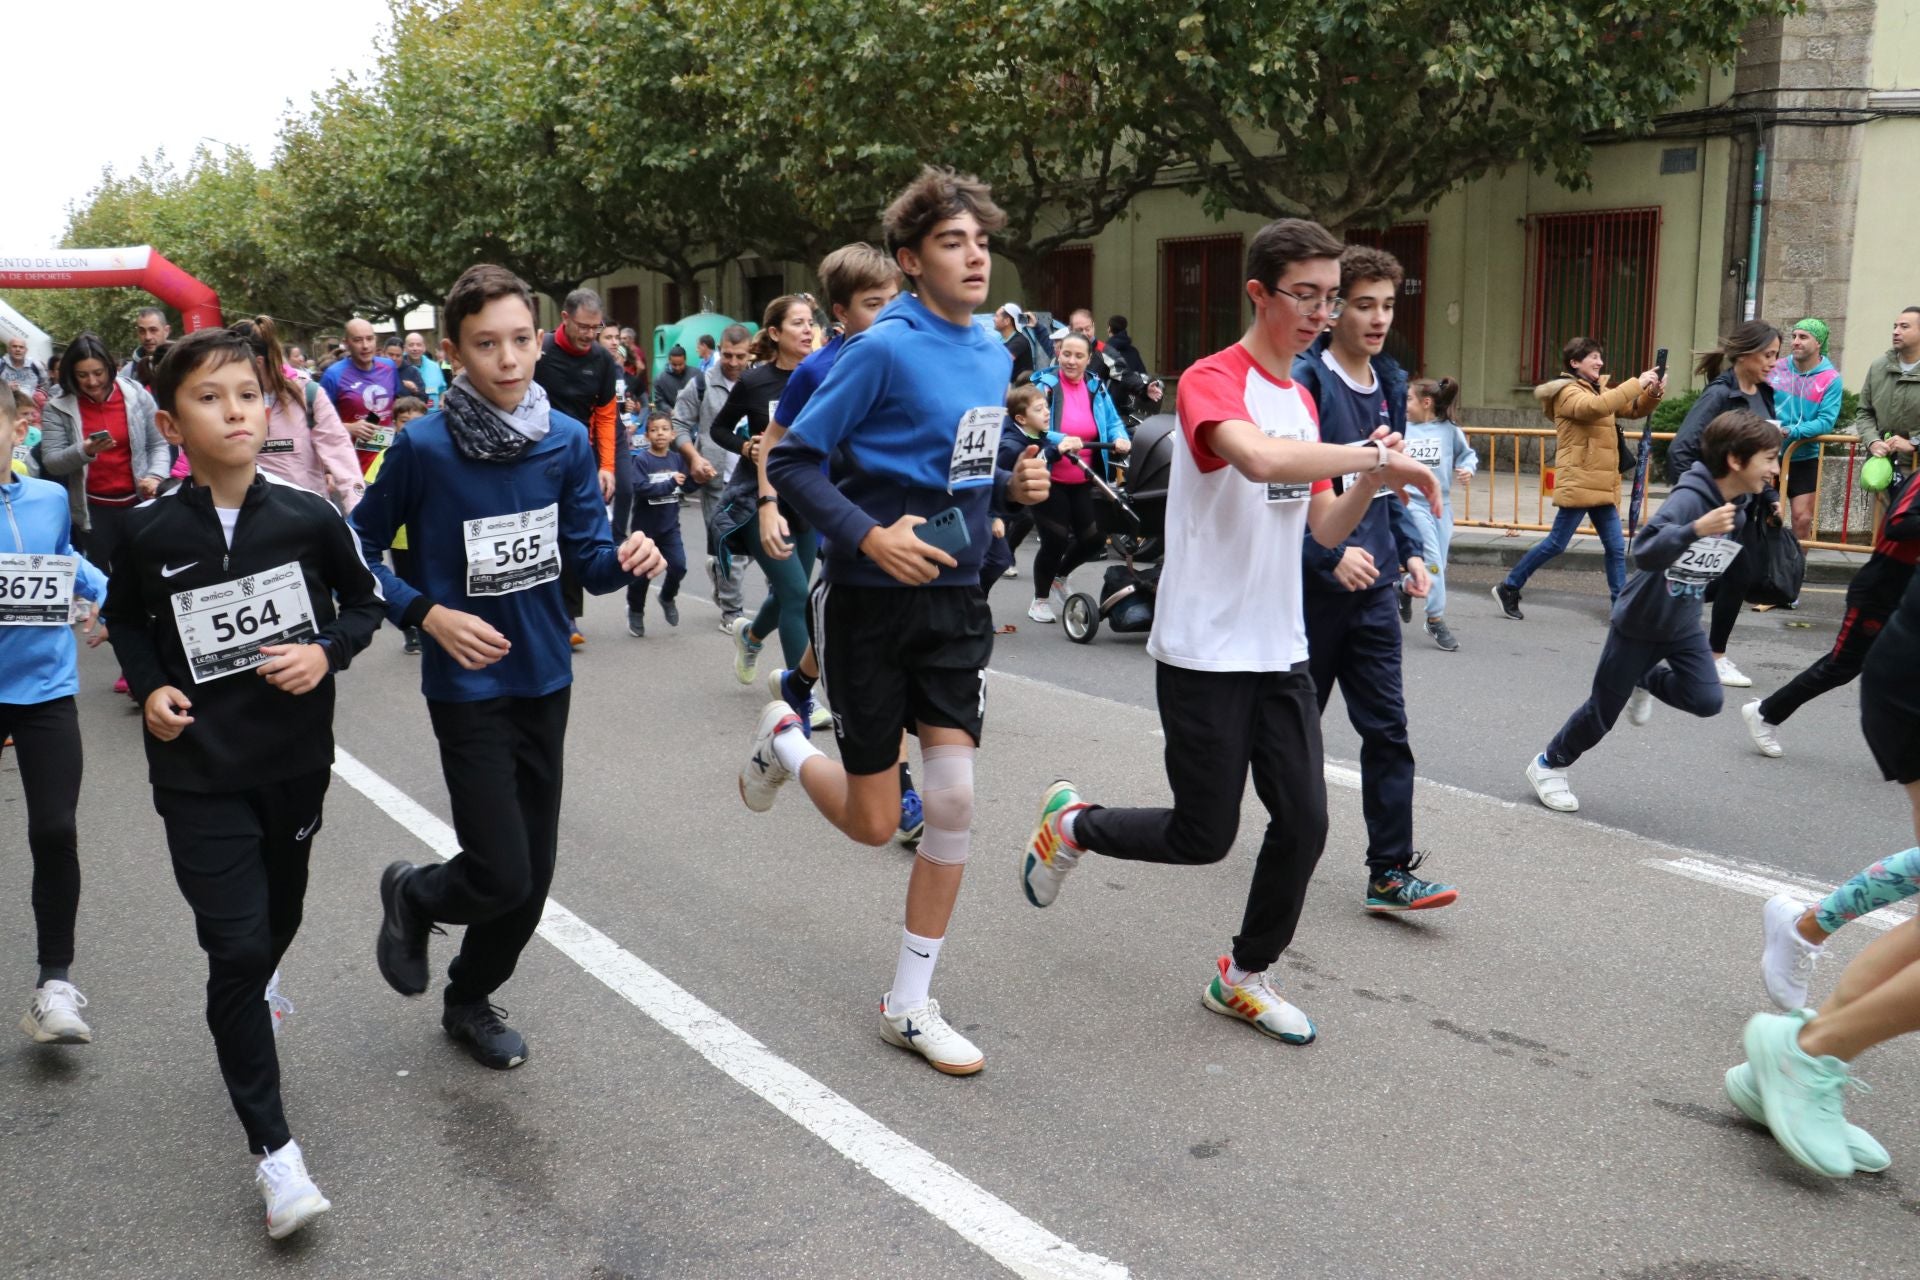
484,432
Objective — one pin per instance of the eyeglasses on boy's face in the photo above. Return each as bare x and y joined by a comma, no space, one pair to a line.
1312,304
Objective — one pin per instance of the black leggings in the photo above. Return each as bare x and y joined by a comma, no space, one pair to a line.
1069,535
1730,596
46,736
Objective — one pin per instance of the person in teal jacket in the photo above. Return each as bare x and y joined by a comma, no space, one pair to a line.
1806,395
1079,412
40,575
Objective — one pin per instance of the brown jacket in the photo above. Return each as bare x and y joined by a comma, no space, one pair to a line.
1586,461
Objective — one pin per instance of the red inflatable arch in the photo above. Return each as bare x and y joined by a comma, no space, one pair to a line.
131,267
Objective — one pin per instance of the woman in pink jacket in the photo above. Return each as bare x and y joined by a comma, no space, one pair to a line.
306,444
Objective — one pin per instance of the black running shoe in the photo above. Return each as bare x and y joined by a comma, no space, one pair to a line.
479,1027
1406,602
401,949
670,610
1509,598
413,641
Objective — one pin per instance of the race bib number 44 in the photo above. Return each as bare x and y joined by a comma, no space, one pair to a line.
514,552
35,590
974,446
224,627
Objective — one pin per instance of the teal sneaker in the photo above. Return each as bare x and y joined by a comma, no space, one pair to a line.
1047,859
1801,1096
1398,889
1868,1155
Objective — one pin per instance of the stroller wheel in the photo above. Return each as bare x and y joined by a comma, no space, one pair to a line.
1080,618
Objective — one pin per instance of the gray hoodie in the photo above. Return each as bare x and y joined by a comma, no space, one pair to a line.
1673,567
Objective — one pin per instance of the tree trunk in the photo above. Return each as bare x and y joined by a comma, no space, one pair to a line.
1030,268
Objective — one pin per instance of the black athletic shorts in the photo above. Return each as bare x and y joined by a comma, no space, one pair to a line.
1893,735
1804,477
893,658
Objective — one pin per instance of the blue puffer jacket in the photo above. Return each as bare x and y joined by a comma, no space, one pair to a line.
1105,416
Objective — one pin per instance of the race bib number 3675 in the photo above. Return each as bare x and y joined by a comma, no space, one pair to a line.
35,590
224,627
513,552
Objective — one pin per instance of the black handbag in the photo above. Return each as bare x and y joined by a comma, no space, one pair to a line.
1777,567
1628,459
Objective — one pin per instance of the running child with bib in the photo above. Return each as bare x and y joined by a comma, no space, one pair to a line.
41,575
1655,648
1434,438
234,600
497,493
909,420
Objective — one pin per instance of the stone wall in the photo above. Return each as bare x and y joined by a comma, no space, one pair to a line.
1818,59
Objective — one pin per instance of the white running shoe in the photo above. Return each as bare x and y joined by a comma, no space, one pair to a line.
278,1005
53,1015
924,1031
746,651
1013,571
292,1199
822,717
1787,959
1256,1002
1730,675
1550,785
1047,859
1041,611
1639,707
1061,590
762,775
1761,732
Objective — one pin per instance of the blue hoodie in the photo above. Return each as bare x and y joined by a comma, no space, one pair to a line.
37,663
888,417
429,486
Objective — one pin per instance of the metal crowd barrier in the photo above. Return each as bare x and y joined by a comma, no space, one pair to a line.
1503,494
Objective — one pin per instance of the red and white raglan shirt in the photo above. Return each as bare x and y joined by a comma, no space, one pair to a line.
1230,591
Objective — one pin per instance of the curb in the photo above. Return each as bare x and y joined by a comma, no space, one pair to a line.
1823,567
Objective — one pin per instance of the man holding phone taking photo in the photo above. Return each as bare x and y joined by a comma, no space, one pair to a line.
910,417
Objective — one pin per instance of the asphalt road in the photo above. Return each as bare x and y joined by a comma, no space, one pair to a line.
1524,1085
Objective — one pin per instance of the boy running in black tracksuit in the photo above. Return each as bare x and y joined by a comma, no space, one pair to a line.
497,492
250,593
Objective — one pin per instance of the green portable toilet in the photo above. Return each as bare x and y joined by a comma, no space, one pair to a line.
687,332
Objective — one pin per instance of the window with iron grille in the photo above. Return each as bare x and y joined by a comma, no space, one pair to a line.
1202,290
1407,339
1592,275
1066,283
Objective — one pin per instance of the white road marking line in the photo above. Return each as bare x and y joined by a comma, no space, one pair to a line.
984,1220
1752,878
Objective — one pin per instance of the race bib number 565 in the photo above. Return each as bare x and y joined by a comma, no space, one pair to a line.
513,552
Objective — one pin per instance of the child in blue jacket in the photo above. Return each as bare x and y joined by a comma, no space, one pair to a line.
40,574
1434,438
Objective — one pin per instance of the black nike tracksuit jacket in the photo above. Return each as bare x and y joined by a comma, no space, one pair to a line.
246,733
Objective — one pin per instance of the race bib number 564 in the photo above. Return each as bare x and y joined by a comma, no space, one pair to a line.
224,627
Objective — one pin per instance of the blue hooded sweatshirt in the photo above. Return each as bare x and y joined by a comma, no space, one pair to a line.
887,419
37,663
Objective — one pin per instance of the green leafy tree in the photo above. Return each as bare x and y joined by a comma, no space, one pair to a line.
1356,113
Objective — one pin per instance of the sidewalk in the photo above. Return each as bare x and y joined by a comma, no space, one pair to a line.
1508,494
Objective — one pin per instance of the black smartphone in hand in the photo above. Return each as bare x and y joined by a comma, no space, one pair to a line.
1660,362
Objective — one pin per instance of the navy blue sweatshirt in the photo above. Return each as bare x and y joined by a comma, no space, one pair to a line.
656,494
1673,567
1386,532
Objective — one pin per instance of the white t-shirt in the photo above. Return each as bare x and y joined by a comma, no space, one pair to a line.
1230,593
229,517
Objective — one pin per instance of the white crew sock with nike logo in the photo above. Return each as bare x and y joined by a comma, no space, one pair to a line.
913,975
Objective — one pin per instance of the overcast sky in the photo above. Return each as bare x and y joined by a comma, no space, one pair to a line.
108,82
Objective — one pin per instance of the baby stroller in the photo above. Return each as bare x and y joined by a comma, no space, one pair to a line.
1133,516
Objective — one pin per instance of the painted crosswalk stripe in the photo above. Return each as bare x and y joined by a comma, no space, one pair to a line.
989,1223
